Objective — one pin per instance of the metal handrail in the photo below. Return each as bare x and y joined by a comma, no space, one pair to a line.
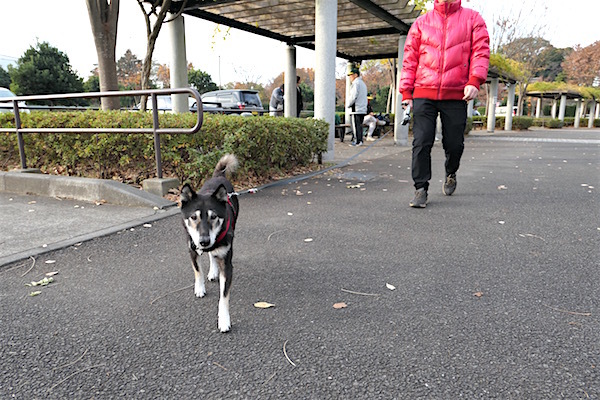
156,130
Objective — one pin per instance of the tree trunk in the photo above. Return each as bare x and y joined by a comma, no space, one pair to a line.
104,15
152,34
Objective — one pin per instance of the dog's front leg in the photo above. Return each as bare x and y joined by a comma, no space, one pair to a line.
213,272
225,275
199,287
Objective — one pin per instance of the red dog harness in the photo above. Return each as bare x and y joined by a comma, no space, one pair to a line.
229,224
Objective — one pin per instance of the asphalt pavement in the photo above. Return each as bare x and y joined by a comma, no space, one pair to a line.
491,293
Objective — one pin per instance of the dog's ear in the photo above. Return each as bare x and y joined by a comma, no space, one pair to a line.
187,194
221,193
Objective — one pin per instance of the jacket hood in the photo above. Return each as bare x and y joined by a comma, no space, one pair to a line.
447,8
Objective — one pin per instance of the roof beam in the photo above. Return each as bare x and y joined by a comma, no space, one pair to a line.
382,14
349,35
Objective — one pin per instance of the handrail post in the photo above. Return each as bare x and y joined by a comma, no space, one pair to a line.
20,140
156,136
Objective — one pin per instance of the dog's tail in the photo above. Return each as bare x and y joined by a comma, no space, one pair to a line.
227,163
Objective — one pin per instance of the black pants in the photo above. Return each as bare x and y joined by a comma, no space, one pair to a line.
453,114
357,128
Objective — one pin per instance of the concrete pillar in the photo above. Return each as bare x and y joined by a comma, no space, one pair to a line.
597,113
470,108
289,94
179,77
538,108
400,131
510,103
325,50
553,112
563,107
577,113
591,115
491,119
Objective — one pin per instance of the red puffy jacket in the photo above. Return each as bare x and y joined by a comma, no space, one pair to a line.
446,49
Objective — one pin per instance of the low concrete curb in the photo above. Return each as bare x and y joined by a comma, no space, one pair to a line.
84,189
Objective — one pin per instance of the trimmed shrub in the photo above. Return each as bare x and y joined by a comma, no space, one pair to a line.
265,146
521,123
554,123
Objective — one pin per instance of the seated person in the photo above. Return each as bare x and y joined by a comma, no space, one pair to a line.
371,121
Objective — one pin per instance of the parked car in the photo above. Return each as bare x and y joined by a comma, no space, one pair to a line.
163,103
7,106
233,101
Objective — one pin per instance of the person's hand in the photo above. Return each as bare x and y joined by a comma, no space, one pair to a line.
408,102
470,92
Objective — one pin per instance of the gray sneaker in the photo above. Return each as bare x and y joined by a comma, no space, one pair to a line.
449,185
420,200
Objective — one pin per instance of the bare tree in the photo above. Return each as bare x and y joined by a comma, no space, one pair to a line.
159,8
104,15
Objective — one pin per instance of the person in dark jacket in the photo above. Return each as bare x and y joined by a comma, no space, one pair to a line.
446,59
299,103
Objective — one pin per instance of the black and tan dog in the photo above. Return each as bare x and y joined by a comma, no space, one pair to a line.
209,218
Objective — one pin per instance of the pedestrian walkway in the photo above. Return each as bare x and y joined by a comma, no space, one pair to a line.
34,225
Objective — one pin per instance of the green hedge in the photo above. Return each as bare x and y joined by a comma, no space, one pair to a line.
265,146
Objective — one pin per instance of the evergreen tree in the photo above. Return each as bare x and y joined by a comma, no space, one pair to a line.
45,70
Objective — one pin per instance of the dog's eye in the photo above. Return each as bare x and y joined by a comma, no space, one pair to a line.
193,217
213,217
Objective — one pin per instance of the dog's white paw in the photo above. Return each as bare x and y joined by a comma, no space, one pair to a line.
212,277
199,290
224,323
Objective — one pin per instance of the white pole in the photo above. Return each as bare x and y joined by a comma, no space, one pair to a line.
577,113
491,122
562,108
400,131
178,64
289,93
509,107
325,49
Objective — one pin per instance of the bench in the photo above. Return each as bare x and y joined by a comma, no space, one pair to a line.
477,124
340,130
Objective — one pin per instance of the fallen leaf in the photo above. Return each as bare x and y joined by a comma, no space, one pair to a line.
290,214
52,273
308,240
35,293
50,261
478,294
263,304
391,287
501,222
43,282
337,306
147,225
502,187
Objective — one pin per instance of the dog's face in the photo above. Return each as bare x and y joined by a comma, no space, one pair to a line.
203,214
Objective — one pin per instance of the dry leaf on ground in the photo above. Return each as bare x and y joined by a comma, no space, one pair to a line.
337,306
263,304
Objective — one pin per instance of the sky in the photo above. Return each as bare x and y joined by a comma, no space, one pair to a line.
232,55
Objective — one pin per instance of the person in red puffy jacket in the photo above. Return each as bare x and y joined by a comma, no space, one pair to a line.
446,59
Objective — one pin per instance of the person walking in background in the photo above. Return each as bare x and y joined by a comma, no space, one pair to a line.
299,103
446,59
357,103
276,103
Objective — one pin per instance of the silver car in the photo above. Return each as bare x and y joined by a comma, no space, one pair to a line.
7,106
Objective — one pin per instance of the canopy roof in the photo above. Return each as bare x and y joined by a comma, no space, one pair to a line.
366,29
555,94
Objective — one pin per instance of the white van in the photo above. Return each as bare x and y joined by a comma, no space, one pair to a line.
501,111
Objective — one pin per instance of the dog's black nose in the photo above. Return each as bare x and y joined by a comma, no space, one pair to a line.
204,241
